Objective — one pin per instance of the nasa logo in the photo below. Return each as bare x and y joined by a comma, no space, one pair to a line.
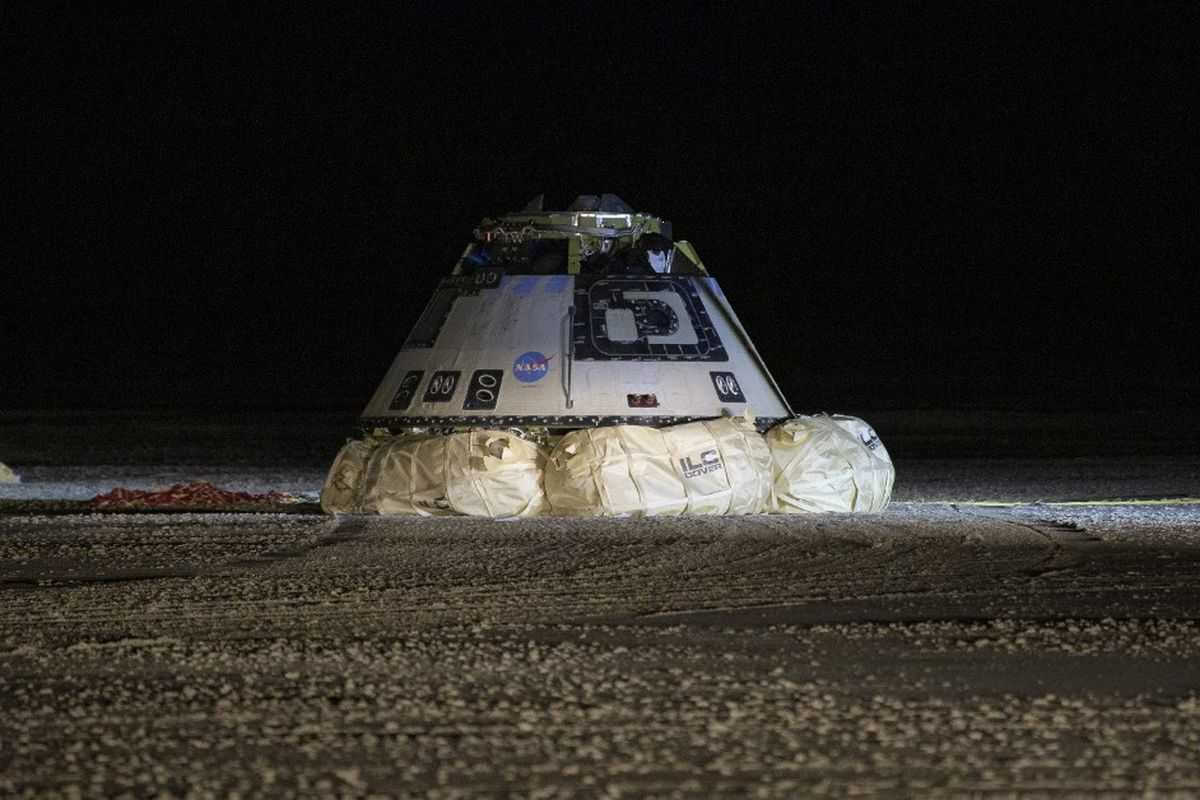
531,367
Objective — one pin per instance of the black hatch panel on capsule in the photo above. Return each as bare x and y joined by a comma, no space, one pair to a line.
657,318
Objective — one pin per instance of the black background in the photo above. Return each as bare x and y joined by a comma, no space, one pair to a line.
947,204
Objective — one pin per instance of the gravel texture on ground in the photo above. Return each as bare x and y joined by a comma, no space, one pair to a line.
943,647
931,649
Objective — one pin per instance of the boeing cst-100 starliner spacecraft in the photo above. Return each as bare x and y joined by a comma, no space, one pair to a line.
568,319
584,362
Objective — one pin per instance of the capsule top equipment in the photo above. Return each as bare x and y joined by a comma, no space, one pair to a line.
594,235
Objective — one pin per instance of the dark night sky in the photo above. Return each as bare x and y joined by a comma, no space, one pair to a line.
950,203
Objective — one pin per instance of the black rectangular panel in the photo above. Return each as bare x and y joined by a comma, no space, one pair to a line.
484,390
594,297
407,390
425,332
728,388
441,386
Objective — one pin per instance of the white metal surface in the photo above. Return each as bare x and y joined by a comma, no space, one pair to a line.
539,350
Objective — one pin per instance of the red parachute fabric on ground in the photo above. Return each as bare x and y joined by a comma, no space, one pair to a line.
197,494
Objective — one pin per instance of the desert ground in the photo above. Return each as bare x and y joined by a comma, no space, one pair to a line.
1024,619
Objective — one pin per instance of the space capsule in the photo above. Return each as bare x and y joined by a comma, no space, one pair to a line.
553,321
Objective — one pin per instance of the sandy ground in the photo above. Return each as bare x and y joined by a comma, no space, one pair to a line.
939,648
